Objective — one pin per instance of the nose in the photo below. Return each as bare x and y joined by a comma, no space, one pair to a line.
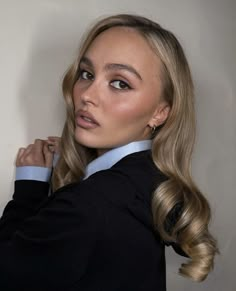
90,94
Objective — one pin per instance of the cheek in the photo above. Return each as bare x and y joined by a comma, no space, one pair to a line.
77,92
127,112
75,95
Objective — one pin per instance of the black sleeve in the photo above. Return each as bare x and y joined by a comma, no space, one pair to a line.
51,249
27,199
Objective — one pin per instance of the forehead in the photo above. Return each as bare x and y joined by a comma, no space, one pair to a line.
124,45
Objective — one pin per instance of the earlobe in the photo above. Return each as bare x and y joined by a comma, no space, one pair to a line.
160,115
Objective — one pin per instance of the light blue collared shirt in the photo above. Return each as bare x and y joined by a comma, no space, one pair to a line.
103,162
35,173
108,159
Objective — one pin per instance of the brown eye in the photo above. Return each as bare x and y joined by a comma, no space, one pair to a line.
85,75
120,85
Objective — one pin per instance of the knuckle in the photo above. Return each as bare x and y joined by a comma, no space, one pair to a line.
27,159
38,140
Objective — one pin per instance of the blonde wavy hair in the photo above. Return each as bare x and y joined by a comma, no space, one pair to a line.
181,213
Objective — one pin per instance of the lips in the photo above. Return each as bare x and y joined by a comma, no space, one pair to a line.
85,119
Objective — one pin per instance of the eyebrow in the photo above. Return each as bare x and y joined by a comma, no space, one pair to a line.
113,66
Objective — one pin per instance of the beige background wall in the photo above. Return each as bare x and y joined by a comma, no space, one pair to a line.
38,40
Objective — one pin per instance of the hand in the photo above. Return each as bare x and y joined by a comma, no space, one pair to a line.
54,144
36,154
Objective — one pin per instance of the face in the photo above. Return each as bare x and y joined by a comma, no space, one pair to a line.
117,97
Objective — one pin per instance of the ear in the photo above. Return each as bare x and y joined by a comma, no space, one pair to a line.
160,115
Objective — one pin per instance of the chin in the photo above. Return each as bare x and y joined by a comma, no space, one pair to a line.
99,141
87,140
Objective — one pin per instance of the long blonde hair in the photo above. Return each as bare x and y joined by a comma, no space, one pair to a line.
181,213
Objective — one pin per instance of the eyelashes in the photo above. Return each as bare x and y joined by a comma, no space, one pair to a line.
120,85
85,75
117,84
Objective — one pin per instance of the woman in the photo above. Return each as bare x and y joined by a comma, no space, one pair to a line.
122,188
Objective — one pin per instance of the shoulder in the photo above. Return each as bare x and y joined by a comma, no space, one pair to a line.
134,175
139,164
140,172
101,188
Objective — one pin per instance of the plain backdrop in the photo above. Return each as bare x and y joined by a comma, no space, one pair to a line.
39,39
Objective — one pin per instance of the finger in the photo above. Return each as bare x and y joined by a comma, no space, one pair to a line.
19,156
20,152
54,142
48,156
26,158
53,138
50,143
51,148
28,149
38,146
33,155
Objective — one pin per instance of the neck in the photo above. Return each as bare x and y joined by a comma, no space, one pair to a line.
102,151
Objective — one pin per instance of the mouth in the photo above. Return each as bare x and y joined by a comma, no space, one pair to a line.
85,120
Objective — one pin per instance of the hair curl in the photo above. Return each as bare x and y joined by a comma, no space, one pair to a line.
172,147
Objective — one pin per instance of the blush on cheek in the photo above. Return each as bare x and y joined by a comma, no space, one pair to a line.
135,114
125,111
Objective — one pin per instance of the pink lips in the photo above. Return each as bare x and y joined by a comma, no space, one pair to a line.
85,119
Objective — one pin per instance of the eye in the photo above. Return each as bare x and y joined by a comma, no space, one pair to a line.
120,85
85,75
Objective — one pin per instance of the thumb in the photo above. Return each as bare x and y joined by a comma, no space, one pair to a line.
48,156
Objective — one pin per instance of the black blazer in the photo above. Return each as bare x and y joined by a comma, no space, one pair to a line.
96,235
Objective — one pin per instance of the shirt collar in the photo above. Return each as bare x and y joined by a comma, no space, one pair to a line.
108,159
